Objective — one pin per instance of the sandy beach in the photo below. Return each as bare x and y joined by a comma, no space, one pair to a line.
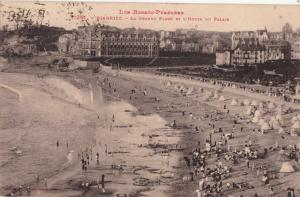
140,151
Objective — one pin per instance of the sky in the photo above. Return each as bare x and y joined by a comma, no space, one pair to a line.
210,17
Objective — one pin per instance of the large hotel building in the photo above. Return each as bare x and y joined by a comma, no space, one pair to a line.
93,41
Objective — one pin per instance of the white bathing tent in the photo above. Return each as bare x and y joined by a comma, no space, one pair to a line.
286,167
222,98
249,110
257,113
234,102
216,95
296,125
265,126
246,102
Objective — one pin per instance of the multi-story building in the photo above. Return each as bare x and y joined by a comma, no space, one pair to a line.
64,43
93,41
295,52
278,50
223,57
257,47
261,36
248,55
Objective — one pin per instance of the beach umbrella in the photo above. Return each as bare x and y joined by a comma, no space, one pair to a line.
222,98
234,102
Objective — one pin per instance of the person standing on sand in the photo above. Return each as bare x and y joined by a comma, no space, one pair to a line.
57,143
37,178
97,158
102,182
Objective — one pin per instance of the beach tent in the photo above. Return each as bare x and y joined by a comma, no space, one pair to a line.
246,102
296,125
257,113
169,84
222,98
287,167
190,90
280,130
216,95
265,126
294,119
275,124
249,110
278,117
255,119
234,102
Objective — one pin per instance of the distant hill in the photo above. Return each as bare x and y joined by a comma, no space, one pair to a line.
43,37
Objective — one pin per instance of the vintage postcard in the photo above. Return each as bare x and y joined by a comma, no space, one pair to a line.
149,99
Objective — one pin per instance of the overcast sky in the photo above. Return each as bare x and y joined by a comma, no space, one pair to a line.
237,17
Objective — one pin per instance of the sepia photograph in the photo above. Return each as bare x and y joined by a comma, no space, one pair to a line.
149,99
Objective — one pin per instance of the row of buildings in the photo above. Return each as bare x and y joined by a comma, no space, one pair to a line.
257,47
183,40
108,41
247,47
96,41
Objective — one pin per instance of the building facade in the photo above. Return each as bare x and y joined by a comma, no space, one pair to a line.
257,47
223,57
100,42
248,55
295,52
